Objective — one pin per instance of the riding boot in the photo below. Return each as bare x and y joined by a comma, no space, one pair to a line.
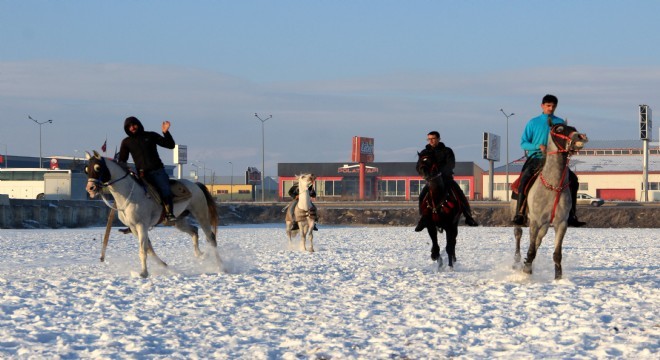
519,219
292,213
169,210
573,220
574,187
467,211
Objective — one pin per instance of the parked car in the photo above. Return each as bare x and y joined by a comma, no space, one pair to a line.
589,200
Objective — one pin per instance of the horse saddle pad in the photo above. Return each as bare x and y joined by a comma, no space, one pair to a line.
516,184
179,191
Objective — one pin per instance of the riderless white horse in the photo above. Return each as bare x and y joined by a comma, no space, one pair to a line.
304,214
140,210
549,197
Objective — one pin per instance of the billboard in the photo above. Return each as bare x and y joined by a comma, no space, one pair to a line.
252,176
491,147
180,154
363,150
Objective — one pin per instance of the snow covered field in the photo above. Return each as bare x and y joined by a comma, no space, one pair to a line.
368,292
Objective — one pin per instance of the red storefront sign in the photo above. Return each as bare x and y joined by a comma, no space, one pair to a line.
363,150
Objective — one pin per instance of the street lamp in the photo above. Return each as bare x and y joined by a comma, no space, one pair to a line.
204,170
506,187
231,179
263,170
40,123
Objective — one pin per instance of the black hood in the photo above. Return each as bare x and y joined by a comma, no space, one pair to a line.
133,120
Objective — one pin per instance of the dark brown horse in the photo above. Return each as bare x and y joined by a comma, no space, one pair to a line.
439,208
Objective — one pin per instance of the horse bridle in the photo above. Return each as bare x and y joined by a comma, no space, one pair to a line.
560,151
102,168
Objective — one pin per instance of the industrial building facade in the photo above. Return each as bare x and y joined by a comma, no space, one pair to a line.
383,180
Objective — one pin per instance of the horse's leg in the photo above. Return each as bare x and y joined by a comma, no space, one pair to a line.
536,234
452,234
517,233
185,226
212,240
560,231
142,234
531,252
302,227
310,227
151,252
433,234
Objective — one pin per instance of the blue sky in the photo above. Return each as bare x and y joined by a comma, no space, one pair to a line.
325,70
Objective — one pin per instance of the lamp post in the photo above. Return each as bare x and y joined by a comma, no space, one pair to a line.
263,170
507,153
231,179
40,123
204,170
196,176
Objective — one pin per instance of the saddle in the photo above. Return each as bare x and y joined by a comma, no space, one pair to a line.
180,193
427,206
516,184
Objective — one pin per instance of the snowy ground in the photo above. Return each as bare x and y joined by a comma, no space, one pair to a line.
368,292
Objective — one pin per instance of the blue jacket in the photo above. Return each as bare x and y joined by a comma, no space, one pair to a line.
536,133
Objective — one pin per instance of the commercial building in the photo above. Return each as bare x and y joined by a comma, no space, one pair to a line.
611,170
383,180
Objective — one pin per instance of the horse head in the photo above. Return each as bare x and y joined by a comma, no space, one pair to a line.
567,138
97,173
426,166
305,180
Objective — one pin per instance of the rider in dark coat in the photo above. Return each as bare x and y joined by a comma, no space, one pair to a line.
142,146
446,161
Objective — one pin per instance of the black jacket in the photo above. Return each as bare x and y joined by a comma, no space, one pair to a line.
142,146
444,157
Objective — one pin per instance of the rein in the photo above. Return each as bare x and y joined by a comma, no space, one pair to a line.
562,186
102,185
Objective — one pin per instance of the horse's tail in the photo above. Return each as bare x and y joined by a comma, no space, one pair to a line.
213,210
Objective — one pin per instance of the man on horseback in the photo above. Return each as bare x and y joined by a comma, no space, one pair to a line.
444,158
534,141
294,192
142,146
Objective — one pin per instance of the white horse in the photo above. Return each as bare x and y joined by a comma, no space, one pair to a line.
304,213
140,210
549,197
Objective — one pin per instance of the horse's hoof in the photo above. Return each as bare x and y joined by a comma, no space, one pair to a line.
527,268
144,274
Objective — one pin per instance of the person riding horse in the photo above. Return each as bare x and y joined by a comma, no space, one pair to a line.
445,161
142,146
534,140
294,191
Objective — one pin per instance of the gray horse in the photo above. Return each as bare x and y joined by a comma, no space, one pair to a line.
305,216
549,198
140,211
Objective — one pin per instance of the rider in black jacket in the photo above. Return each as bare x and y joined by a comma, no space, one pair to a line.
142,146
446,161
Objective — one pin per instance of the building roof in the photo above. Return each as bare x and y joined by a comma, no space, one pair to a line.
598,163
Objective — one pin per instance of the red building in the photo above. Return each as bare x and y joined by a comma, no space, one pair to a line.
384,181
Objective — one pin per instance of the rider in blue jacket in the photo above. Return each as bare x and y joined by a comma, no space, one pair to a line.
534,141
